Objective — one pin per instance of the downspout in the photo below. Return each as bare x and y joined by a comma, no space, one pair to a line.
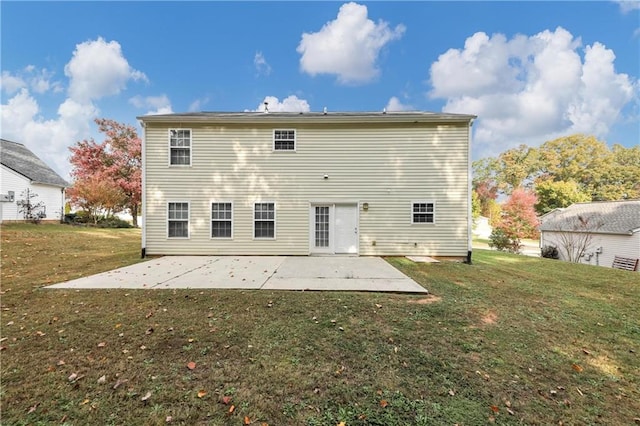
469,198
143,204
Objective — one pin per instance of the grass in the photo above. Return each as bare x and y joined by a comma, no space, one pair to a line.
509,339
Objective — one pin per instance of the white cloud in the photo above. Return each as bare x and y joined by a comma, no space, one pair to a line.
39,80
11,83
198,104
49,139
627,6
395,104
348,46
97,69
531,89
262,66
158,104
290,104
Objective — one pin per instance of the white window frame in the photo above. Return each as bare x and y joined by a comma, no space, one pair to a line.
188,220
427,202
211,219
253,217
178,147
295,140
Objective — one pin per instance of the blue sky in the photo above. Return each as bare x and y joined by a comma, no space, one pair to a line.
531,71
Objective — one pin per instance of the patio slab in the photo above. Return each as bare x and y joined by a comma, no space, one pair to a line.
253,273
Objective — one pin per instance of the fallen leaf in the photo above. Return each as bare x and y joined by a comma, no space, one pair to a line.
61,362
226,400
494,408
40,333
580,392
383,403
378,305
191,365
149,315
102,344
507,403
510,411
149,331
577,367
451,392
119,382
169,419
118,325
341,424
247,420
146,396
231,409
72,377
102,380
202,393
33,408
586,352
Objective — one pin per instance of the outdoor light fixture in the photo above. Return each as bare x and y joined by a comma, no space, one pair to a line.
326,176
365,206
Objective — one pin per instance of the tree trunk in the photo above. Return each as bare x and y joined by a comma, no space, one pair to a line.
134,214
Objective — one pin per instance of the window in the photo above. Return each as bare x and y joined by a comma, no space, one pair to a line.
178,220
284,140
221,220
180,147
264,220
423,212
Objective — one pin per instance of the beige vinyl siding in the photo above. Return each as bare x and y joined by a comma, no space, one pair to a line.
385,165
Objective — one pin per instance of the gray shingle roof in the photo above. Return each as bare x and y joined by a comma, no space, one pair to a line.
604,217
21,160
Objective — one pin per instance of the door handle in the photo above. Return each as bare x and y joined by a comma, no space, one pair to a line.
355,231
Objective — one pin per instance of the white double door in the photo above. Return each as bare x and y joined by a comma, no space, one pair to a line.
334,228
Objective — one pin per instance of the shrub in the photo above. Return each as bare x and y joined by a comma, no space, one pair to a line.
113,222
550,252
502,242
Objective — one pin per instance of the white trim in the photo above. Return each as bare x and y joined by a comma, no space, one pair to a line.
469,195
423,202
211,219
331,249
295,140
275,222
169,130
143,200
188,219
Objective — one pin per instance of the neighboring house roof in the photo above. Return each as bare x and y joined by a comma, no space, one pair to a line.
602,217
21,160
311,117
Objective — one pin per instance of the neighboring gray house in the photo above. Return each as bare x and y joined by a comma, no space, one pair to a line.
394,183
22,170
594,233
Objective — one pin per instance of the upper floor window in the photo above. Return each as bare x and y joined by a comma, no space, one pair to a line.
178,220
284,140
180,147
423,212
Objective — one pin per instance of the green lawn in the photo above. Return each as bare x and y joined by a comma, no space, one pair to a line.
510,339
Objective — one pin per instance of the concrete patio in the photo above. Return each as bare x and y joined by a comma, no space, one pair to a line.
335,273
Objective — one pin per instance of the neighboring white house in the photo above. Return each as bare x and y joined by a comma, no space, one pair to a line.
307,183
22,170
602,229
481,227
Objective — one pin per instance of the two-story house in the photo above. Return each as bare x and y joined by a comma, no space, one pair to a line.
256,183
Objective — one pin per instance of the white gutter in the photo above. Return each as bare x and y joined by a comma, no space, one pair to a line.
143,202
469,197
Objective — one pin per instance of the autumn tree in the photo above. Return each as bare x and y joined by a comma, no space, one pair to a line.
96,195
557,194
516,168
117,162
518,221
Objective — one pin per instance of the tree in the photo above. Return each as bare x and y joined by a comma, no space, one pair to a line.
518,221
557,194
516,168
96,195
475,205
31,211
577,237
117,161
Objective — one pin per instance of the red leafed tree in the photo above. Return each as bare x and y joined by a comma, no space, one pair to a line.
518,221
95,195
117,161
